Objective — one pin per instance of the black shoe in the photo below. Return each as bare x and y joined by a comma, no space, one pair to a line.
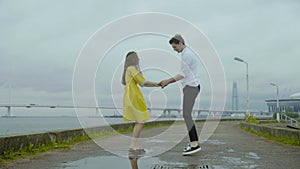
191,150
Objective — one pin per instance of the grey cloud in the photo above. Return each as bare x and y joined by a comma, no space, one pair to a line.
41,39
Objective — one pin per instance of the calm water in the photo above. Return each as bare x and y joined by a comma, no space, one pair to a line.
36,124
21,125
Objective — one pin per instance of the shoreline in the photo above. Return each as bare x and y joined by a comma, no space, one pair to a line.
19,146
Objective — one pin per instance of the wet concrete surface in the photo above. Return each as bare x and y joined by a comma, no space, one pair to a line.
228,148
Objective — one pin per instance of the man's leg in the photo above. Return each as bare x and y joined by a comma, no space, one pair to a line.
189,97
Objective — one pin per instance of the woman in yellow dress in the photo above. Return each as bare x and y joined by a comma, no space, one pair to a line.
134,105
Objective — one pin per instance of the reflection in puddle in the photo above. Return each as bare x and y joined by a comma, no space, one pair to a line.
133,158
96,162
134,162
111,162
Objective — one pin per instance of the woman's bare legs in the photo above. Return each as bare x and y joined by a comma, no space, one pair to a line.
136,134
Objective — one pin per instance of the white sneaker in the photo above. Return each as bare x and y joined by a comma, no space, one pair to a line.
187,147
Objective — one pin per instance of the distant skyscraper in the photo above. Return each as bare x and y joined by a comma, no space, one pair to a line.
235,105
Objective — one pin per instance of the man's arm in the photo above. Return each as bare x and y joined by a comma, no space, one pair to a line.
176,78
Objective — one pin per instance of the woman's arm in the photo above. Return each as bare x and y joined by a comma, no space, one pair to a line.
150,84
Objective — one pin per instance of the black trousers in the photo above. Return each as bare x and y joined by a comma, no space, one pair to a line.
190,94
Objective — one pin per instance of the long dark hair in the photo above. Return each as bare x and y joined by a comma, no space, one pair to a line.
130,60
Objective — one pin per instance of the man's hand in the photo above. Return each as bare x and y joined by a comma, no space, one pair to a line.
163,83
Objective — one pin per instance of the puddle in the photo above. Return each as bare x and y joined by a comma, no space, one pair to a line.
96,162
219,167
235,160
116,162
214,142
238,162
159,141
229,150
252,155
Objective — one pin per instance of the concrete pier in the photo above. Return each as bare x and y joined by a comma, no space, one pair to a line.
229,147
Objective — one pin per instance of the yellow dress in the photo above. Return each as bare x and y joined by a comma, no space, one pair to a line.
134,105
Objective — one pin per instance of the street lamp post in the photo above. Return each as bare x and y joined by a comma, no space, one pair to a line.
277,101
247,81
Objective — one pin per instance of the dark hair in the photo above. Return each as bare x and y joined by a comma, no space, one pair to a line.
173,40
129,53
130,60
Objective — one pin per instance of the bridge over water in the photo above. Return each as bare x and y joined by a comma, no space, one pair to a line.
166,112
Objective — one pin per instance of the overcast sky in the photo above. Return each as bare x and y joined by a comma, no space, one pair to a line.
40,41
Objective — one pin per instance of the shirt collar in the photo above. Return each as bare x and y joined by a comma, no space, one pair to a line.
183,51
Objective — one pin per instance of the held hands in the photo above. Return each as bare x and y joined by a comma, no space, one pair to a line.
163,83
166,82
156,84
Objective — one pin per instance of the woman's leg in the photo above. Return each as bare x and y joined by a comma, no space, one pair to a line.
136,134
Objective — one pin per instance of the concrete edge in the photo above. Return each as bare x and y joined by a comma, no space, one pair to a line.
16,142
273,131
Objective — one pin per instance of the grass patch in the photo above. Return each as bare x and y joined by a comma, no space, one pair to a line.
251,119
287,141
32,150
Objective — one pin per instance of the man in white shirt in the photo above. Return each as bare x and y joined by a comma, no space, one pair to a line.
190,78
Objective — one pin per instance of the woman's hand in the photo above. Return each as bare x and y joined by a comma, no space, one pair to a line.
150,84
157,85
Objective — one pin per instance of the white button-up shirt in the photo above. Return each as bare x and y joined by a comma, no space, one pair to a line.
190,68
